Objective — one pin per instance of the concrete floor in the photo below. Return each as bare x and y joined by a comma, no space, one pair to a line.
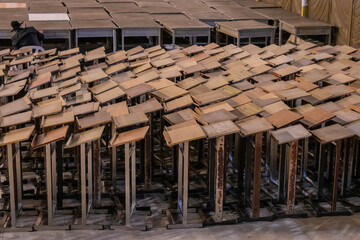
326,228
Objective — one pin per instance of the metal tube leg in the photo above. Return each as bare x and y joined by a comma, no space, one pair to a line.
127,184
186,182
257,176
180,179
76,39
11,185
113,160
133,177
49,183
292,177
122,41
83,183
336,176
90,176
280,34
18,173
173,40
219,183
53,170
114,41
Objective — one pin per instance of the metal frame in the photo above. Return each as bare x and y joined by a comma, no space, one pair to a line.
139,32
96,32
303,31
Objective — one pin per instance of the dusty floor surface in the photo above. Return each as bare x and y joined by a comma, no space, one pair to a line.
326,228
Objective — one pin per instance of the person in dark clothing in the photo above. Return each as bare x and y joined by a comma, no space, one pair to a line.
24,37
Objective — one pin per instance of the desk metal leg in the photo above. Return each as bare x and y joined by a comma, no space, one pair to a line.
11,185
49,193
257,176
83,183
280,34
219,182
290,202
336,176
114,41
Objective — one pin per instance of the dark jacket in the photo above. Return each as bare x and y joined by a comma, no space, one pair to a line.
27,37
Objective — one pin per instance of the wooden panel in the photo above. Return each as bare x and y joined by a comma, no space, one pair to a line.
49,137
216,106
129,136
16,119
332,133
354,127
102,87
166,94
110,95
98,118
149,106
181,102
216,116
253,126
130,119
86,97
41,80
47,92
17,135
12,89
289,134
220,129
316,116
160,83
84,137
184,134
84,108
60,119
47,109
248,109
16,106
117,108
93,75
180,116
283,118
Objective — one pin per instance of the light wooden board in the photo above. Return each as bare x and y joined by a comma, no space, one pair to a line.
180,116
83,98
218,129
84,108
47,109
184,134
166,94
98,118
354,127
180,102
102,87
41,80
16,106
60,119
93,75
129,136
149,106
84,137
109,95
253,126
16,119
46,92
17,135
130,119
291,133
332,133
283,118
216,116
49,137
316,116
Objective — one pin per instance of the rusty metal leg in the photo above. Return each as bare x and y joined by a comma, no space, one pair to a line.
292,177
219,183
322,163
257,176
90,177
113,160
18,173
48,183
148,156
97,173
83,183
306,154
13,208
351,163
59,170
53,173
180,179
127,184
273,159
185,183
336,176
133,177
